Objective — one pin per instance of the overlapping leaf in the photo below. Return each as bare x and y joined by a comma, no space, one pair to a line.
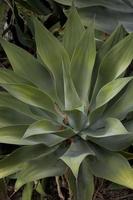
123,105
72,34
42,167
76,153
82,64
25,65
9,117
108,14
85,189
58,63
116,167
114,136
15,161
30,95
106,93
120,56
14,135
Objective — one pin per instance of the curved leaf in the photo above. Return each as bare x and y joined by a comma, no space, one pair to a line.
42,127
51,139
123,105
106,93
58,63
76,119
120,56
15,161
27,192
118,34
73,31
82,63
14,135
114,4
107,14
75,154
42,167
110,90
72,100
114,137
25,65
8,101
9,117
85,184
116,167
8,76
106,20
30,95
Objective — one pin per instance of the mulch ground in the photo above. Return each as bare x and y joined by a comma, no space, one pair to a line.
104,190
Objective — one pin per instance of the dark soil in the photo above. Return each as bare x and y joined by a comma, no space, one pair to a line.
104,190
108,191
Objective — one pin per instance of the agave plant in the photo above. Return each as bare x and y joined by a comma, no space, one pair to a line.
108,14
69,109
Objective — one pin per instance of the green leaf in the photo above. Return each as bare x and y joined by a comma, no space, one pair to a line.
118,34
111,166
120,56
82,63
8,101
51,139
123,105
110,90
15,161
27,192
30,95
107,14
114,4
106,20
40,187
114,136
25,65
48,128
8,76
72,100
42,127
76,119
43,114
73,31
46,42
58,63
42,167
14,134
85,187
106,93
9,117
75,154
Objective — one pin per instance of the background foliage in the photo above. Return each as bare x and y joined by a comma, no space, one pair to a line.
107,14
